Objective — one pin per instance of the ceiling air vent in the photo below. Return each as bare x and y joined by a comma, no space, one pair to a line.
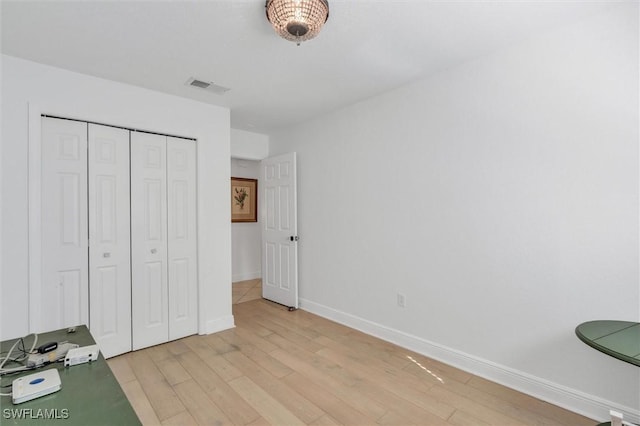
207,85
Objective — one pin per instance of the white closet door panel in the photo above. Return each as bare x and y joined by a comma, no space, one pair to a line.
64,224
109,236
149,240
182,255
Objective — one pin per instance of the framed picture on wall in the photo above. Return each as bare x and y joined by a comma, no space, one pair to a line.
244,200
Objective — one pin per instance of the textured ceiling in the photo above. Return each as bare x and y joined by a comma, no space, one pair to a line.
366,47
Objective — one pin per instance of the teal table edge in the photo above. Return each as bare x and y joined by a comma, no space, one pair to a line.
592,331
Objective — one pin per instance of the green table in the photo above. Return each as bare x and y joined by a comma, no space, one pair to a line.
620,339
90,393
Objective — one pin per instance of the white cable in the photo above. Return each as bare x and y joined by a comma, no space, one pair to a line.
8,356
13,370
33,346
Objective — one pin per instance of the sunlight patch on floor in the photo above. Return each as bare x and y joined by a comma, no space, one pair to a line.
425,369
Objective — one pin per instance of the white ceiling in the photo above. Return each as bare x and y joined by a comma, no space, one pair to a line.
367,47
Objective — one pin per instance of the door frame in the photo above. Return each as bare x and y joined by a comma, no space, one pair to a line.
35,316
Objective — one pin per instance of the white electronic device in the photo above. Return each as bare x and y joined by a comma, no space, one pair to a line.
38,359
81,355
35,385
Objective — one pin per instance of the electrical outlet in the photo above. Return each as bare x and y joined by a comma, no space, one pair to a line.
401,300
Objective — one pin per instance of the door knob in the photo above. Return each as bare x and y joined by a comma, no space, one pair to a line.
153,251
293,238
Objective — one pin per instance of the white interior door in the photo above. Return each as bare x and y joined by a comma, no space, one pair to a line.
182,237
109,236
279,230
149,239
64,223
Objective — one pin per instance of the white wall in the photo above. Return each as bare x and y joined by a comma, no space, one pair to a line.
249,145
246,237
29,88
499,196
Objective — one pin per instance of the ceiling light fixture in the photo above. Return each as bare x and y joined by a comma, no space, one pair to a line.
297,20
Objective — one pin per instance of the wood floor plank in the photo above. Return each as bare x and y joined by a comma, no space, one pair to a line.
542,408
261,358
349,357
415,392
523,412
140,402
219,345
218,390
121,369
482,412
329,377
420,365
327,401
199,405
414,414
222,367
293,401
375,347
280,367
462,418
293,337
257,340
325,420
260,421
173,372
144,368
291,321
285,340
272,411
199,346
159,352
177,347
392,418
163,399
180,419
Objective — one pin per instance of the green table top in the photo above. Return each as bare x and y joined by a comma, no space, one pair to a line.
90,393
620,339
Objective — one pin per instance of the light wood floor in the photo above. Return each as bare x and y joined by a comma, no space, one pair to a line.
284,368
245,291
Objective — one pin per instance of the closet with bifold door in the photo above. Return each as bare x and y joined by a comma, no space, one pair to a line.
119,247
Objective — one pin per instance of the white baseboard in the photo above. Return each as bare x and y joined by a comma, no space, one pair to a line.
219,324
246,276
571,399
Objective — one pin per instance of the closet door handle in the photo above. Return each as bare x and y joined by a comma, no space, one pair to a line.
106,255
154,251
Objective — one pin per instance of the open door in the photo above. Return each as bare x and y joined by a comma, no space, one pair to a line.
279,230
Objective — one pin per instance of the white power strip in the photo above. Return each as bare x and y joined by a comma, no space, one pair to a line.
36,360
35,385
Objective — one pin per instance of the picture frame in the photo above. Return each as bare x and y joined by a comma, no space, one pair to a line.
244,200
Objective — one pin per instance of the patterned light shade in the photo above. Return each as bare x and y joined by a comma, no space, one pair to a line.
297,20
